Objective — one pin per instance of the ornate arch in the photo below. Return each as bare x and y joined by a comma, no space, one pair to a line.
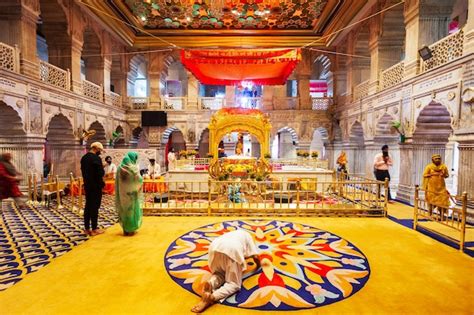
239,119
167,133
434,122
292,131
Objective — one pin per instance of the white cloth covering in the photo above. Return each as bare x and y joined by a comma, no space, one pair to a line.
110,169
227,255
154,171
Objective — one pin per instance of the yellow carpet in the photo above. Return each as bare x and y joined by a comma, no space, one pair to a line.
111,274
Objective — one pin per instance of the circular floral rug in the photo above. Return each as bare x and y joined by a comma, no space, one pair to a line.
305,267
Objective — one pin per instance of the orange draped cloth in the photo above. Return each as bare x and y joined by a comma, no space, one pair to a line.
231,67
109,187
154,185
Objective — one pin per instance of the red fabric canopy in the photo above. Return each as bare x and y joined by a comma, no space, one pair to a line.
231,67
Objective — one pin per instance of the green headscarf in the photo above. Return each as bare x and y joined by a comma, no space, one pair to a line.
128,193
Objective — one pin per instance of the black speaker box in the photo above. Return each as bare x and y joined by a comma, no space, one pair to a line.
283,198
162,198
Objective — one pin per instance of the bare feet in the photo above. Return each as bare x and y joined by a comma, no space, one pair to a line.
205,302
87,232
206,299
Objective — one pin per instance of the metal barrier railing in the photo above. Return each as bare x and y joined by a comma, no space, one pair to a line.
302,196
453,216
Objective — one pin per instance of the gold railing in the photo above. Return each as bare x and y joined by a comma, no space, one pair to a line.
308,163
453,216
139,102
9,58
92,90
361,90
176,103
392,75
300,197
116,99
212,103
321,103
444,51
54,75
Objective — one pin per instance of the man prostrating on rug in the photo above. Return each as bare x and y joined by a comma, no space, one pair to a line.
227,255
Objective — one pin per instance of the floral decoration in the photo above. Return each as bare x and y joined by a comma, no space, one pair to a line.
303,266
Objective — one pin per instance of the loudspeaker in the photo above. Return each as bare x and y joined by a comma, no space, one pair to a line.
283,198
425,53
162,198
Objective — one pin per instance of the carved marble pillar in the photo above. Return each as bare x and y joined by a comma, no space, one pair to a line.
193,91
333,150
75,64
267,98
303,91
154,86
465,177
469,30
424,25
229,96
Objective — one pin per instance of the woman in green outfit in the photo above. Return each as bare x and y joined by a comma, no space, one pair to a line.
128,194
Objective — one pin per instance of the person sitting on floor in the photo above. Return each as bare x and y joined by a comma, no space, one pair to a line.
227,255
110,168
153,170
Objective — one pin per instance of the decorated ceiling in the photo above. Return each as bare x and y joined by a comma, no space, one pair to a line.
210,24
227,14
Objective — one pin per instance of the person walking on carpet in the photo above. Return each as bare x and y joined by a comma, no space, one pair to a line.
128,194
92,173
9,178
227,255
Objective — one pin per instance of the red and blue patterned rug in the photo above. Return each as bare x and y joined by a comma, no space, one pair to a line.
307,267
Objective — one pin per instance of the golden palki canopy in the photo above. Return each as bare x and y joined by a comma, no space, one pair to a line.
228,120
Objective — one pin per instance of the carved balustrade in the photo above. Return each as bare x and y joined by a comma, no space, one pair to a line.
444,51
9,58
361,90
248,102
320,103
92,90
392,75
212,103
139,102
116,99
54,75
174,103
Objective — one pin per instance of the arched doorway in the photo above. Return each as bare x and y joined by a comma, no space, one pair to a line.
13,138
285,143
174,139
319,142
432,132
99,134
386,134
120,142
59,148
204,143
356,150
